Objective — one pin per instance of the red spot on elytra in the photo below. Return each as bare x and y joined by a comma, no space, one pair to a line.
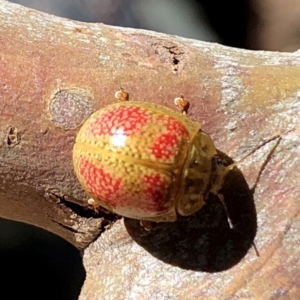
102,184
129,119
166,146
154,191
176,126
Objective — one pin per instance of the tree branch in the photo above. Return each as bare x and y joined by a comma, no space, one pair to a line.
55,72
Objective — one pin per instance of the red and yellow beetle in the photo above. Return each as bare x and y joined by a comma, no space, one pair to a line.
145,161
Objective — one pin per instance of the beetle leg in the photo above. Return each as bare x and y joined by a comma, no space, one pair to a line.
147,225
122,95
182,104
255,249
93,204
221,198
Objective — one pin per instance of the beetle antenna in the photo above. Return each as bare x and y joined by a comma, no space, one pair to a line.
235,164
265,163
277,136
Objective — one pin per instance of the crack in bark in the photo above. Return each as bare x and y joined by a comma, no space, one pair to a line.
79,209
85,211
69,228
170,54
176,56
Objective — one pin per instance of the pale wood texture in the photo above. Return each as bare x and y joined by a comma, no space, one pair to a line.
55,72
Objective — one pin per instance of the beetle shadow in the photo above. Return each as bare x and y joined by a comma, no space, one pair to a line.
204,241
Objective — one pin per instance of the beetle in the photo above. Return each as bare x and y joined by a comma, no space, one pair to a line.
145,161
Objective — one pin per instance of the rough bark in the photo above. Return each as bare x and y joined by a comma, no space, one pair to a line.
55,72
